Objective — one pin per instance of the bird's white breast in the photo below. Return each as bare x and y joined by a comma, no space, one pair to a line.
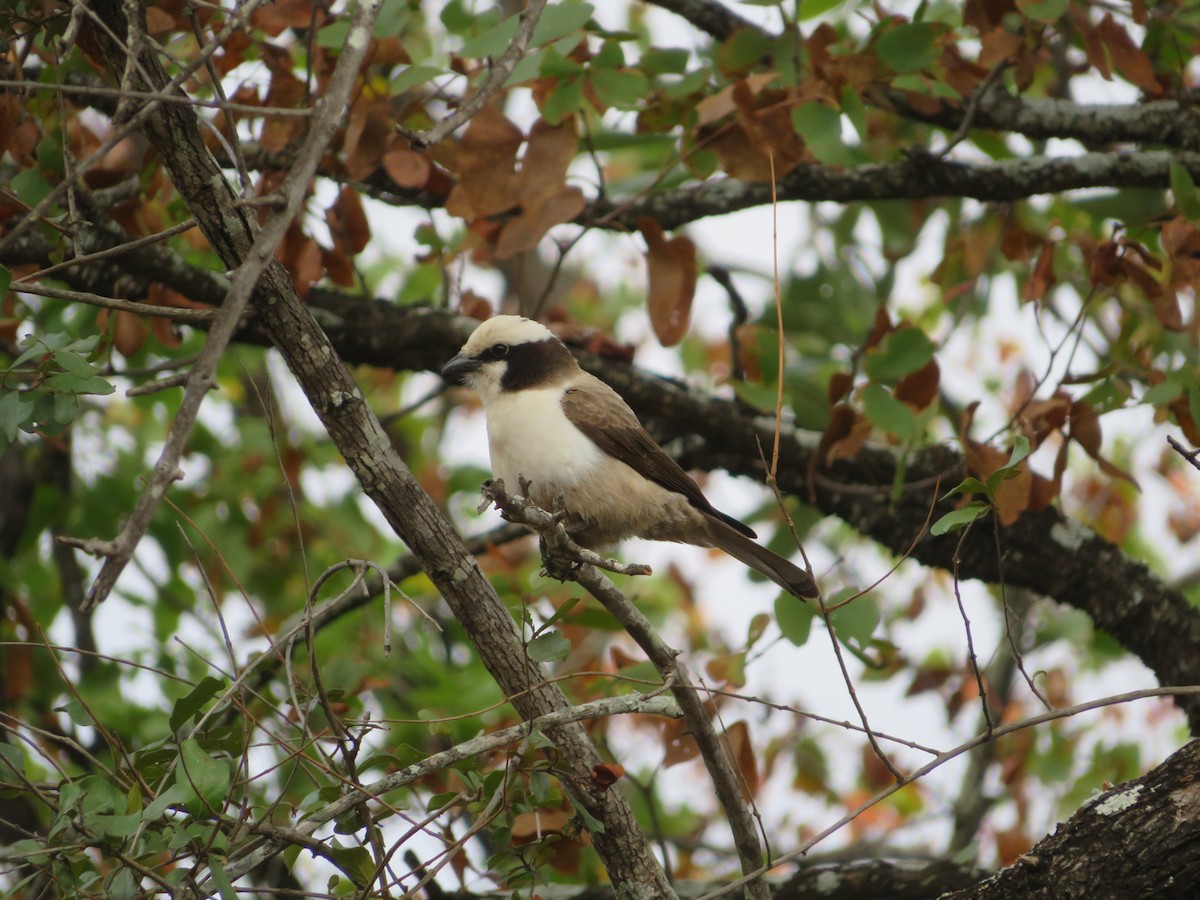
529,435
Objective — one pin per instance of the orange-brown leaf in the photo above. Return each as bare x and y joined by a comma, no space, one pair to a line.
347,222
486,159
368,134
1085,428
737,740
671,266
840,385
407,168
605,775
1129,59
1042,278
920,388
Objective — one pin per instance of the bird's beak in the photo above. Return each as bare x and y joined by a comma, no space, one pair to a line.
460,366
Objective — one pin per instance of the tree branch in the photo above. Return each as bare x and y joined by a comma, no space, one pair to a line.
725,776
287,323
919,177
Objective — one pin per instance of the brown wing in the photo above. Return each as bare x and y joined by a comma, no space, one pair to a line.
600,413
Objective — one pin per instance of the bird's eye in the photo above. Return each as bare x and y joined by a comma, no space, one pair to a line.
499,351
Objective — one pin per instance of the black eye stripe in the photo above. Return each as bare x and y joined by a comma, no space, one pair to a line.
494,352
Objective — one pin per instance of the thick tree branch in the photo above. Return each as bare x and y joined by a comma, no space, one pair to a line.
282,318
1139,839
921,176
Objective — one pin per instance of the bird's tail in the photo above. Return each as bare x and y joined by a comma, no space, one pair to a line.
786,574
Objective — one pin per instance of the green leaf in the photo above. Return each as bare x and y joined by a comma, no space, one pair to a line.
76,712
551,646
1162,393
75,384
5,280
492,42
968,485
203,777
854,110
794,618
1009,469
958,519
356,862
221,879
75,363
620,88
438,801
559,20
888,413
15,410
1194,403
563,101
810,9
392,17
1043,10
741,51
855,621
821,128
30,186
590,822
899,354
333,35
908,48
414,76
186,708
1187,200
672,61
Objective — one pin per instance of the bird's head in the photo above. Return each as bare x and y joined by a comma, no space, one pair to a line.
510,353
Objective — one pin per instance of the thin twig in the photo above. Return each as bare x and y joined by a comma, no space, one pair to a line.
294,189
721,769
498,72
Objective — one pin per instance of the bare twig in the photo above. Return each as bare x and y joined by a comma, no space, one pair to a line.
293,189
518,508
141,309
1189,455
644,704
498,72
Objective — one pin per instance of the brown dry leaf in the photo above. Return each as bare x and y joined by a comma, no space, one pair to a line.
1013,495
605,775
1168,311
274,18
881,327
474,306
368,134
1042,278
999,46
1043,492
1092,45
1129,59
10,116
1181,241
737,740
286,92
671,266
129,333
158,21
920,388
840,385
678,743
721,104
347,221
407,168
486,159
540,189
337,266
983,15
301,256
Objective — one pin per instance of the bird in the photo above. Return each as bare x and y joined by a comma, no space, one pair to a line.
569,434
